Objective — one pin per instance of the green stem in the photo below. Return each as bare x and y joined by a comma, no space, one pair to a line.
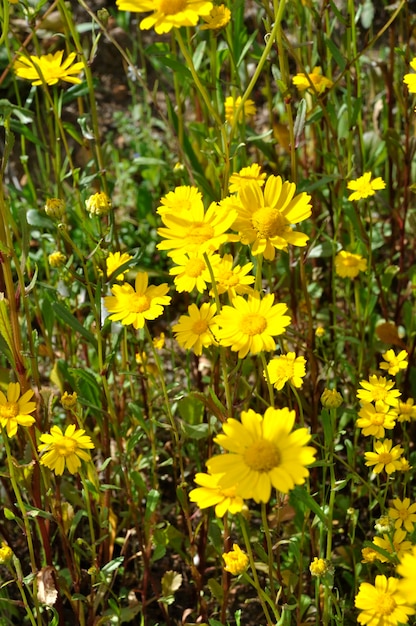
269,544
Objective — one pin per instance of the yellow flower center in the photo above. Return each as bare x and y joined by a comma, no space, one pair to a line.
386,604
403,514
229,279
170,7
9,410
200,327
385,458
268,222
65,446
253,324
378,419
139,303
379,393
194,267
262,456
199,233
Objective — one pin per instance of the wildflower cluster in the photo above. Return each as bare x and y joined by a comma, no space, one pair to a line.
381,409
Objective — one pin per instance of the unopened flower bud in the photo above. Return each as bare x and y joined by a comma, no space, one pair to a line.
55,208
236,561
331,399
69,400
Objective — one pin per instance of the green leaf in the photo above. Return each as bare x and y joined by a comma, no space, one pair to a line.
63,313
300,494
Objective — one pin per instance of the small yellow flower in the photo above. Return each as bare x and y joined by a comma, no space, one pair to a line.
378,388
60,450
159,341
236,561
231,105
98,204
134,306
369,555
233,280
383,604
375,419
349,265
15,410
145,366
6,553
55,208
198,329
56,259
396,545
394,363
246,175
331,399
319,331
69,400
406,411
249,325
410,79
318,567
114,261
48,68
384,457
286,368
191,271
217,19
363,187
314,81
403,513
209,493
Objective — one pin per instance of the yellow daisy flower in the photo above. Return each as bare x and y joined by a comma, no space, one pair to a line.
249,174
181,199
233,280
135,306
198,329
114,261
57,259
363,187
405,411
262,453
196,231
383,604
378,388
349,265
191,271
313,81
15,409
394,363
265,219
48,68
60,450
410,79
384,457
375,419
407,569
403,513
396,546
167,14
217,19
231,105
236,561
286,368
209,493
249,325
